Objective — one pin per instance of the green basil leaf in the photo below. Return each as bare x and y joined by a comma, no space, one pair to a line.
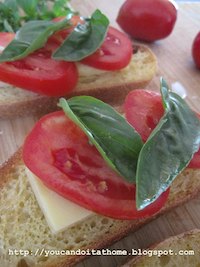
32,36
168,150
9,16
62,8
7,26
11,4
118,142
29,7
85,39
13,13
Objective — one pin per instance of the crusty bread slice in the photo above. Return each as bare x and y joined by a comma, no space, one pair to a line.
109,86
180,250
22,224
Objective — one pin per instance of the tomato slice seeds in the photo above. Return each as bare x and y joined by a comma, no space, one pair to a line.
40,73
59,153
114,54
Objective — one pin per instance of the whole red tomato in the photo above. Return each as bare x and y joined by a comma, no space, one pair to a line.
148,20
196,50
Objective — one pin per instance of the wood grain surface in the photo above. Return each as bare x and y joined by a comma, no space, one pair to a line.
175,65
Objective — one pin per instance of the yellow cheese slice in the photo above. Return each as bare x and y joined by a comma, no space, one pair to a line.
59,212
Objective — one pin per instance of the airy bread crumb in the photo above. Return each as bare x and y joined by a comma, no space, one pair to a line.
22,224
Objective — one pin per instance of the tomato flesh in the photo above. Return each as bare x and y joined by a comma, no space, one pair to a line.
59,153
115,53
143,110
41,74
61,35
5,39
38,72
195,162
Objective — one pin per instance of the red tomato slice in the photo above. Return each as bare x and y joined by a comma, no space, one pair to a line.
5,39
39,73
143,110
59,153
114,54
61,35
195,162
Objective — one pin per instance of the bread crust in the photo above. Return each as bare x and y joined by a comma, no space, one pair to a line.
105,87
182,190
133,261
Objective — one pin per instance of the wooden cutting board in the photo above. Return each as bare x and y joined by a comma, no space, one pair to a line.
175,65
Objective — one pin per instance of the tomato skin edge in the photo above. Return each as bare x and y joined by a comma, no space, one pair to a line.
47,81
41,86
196,50
38,72
106,57
149,115
111,207
142,21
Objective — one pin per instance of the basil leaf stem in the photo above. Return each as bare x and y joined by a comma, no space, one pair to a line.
117,141
85,39
168,150
32,36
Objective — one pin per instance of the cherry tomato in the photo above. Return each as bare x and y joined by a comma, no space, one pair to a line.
148,20
143,110
114,54
59,153
38,72
196,50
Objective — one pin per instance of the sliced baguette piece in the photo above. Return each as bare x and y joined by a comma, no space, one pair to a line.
184,250
22,224
109,86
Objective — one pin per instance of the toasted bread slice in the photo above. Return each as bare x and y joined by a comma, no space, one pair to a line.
109,86
23,226
176,251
